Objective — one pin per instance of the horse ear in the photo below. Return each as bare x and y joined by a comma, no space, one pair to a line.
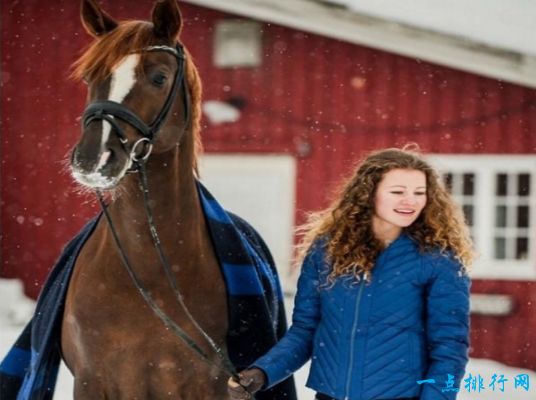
96,21
167,19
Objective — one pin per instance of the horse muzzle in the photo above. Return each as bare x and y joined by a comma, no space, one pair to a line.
103,170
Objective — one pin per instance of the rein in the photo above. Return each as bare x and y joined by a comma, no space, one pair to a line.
227,366
108,111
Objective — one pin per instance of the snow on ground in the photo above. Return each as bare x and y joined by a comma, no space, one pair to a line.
15,310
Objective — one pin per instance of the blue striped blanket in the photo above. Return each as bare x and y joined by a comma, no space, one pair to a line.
256,313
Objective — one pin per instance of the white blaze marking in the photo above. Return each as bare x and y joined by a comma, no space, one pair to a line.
123,80
103,159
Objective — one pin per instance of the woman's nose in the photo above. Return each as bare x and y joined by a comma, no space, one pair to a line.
409,200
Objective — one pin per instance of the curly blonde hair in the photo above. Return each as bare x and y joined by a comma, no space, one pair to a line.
346,223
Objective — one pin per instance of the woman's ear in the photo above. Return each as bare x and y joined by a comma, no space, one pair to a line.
167,19
95,21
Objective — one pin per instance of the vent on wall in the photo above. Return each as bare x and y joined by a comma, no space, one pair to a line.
238,43
491,304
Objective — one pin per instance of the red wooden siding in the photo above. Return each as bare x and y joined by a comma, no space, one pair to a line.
321,100
509,339
40,107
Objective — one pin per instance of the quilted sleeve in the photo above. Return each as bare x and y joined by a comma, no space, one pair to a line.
447,327
295,348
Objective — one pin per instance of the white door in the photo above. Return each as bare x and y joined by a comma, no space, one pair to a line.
260,189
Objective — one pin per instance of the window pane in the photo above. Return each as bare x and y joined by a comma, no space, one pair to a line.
468,184
500,248
522,248
500,216
447,178
468,211
523,184
522,216
502,185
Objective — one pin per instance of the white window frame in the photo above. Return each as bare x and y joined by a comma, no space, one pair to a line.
485,167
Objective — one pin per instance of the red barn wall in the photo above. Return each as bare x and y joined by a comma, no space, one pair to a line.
323,101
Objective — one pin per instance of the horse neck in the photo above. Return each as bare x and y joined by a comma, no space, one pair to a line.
173,198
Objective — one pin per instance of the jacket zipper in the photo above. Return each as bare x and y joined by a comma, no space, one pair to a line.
352,339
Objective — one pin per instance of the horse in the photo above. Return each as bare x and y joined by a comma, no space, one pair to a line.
111,340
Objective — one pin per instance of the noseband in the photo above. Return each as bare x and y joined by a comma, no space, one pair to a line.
111,111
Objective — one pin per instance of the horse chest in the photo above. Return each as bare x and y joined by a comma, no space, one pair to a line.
109,329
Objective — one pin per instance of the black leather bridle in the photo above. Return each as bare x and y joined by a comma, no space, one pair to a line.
111,111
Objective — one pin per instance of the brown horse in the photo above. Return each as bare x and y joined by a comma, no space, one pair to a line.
111,340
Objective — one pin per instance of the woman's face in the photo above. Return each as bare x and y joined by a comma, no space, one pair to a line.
400,199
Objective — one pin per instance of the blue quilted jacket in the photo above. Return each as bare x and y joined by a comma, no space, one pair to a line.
376,340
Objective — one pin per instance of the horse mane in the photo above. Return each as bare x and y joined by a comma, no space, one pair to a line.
100,57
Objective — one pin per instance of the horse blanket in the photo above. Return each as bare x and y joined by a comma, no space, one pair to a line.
256,312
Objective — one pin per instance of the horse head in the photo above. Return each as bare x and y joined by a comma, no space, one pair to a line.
143,93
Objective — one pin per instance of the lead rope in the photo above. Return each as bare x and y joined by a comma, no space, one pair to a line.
227,367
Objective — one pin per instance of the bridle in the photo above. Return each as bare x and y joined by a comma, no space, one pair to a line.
110,111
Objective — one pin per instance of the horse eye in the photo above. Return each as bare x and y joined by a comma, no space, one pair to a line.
159,79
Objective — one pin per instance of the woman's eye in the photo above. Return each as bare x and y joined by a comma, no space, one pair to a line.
397,192
420,193
159,79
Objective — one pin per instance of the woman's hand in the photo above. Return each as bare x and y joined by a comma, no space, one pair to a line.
251,380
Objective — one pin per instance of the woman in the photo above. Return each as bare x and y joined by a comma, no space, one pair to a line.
383,295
